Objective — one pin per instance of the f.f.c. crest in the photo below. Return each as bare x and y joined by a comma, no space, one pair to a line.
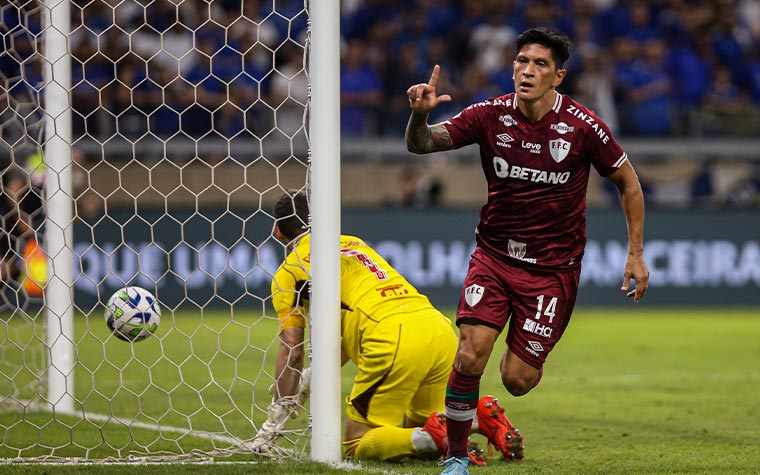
559,149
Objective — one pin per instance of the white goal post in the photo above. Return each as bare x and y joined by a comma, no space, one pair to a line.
325,210
133,190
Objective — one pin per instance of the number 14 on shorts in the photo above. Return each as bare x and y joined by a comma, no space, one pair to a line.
549,311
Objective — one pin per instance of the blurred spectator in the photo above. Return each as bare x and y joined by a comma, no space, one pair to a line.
252,26
647,93
477,86
129,122
639,25
726,109
289,90
723,97
472,13
360,92
584,44
357,21
489,38
441,16
690,64
415,189
749,11
205,91
502,77
593,87
406,68
729,38
538,13
625,53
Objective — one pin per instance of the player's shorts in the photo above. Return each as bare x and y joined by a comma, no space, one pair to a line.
404,366
536,304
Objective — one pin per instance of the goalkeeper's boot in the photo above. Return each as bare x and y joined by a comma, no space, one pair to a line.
436,427
455,466
494,424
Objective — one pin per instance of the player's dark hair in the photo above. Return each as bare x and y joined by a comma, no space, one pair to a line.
291,213
559,44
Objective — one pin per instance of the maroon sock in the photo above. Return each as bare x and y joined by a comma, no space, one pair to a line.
462,394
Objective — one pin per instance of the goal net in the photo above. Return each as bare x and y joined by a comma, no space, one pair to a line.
177,125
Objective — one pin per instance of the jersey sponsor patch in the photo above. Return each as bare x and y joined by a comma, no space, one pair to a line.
537,328
473,294
562,128
507,120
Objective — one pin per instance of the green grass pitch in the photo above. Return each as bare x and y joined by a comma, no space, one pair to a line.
634,391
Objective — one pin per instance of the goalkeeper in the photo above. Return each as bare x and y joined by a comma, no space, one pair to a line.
403,346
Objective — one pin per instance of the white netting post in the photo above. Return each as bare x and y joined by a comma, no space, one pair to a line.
58,188
324,135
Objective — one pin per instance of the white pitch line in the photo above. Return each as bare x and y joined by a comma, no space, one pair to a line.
136,424
233,441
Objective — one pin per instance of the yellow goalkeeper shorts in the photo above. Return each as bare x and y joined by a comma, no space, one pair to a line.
404,365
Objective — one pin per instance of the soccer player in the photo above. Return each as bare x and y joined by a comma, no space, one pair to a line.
402,345
537,147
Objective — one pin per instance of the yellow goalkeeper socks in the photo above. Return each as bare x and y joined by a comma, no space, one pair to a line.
385,443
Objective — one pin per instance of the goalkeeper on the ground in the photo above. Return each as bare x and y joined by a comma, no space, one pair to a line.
403,347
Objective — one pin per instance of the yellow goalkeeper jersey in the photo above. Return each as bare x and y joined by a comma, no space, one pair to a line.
367,284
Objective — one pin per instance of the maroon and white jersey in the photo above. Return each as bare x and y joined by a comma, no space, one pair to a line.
537,177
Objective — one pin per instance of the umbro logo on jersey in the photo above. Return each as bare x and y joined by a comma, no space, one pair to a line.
473,294
503,140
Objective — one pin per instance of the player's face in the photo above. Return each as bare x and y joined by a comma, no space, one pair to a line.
535,72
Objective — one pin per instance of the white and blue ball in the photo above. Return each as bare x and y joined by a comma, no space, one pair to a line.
132,314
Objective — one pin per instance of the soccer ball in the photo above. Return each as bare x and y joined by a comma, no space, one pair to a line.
132,314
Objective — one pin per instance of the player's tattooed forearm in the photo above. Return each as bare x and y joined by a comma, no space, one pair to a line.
419,140
441,138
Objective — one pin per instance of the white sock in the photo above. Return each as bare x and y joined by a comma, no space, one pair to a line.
422,441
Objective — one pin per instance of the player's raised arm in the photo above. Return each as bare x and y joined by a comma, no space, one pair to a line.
421,137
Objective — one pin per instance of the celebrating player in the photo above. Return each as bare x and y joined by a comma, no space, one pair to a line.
537,147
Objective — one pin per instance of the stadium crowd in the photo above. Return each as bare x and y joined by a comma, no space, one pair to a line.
649,68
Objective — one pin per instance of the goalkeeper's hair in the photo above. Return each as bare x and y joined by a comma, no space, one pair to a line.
291,213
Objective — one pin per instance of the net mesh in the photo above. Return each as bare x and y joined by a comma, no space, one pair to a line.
188,121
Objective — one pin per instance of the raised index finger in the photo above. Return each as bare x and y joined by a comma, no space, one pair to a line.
434,77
